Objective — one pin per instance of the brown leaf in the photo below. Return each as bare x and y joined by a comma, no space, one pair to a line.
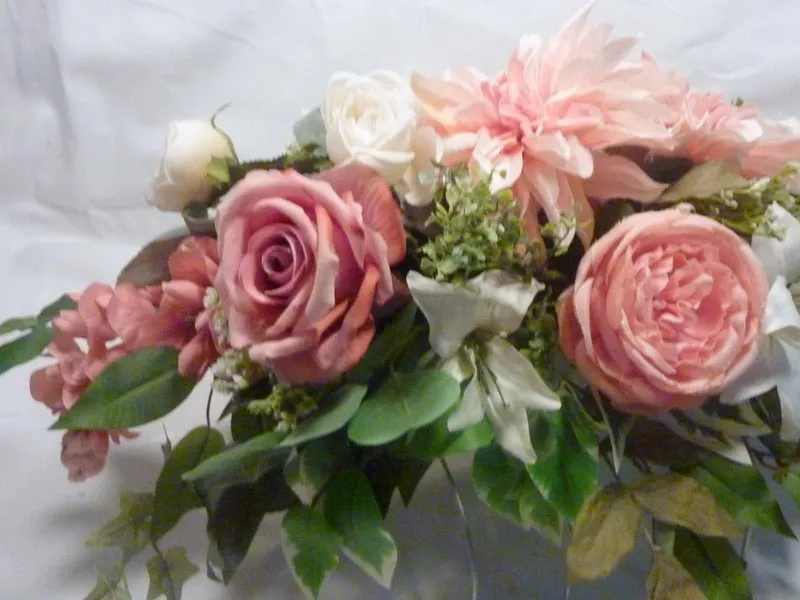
683,501
149,266
668,580
604,534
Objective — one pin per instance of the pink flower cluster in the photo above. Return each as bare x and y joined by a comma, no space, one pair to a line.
108,323
552,125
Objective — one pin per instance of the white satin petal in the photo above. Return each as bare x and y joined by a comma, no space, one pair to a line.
779,256
756,380
470,411
781,319
787,377
515,379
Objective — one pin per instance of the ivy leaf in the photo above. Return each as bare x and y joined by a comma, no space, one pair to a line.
52,310
351,510
437,441
404,402
130,529
111,584
605,533
669,580
174,497
168,574
238,457
309,545
235,509
25,348
568,476
17,324
337,411
504,484
308,470
742,491
714,565
386,346
683,501
388,473
136,389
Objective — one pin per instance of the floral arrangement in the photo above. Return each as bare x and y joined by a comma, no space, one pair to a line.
578,264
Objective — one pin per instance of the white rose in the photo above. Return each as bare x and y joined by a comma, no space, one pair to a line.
181,177
371,119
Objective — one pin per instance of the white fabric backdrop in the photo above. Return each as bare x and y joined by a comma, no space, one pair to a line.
86,90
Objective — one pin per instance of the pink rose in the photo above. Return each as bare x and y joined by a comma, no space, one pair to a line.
302,264
665,311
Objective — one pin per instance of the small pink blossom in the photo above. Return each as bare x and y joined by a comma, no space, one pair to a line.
665,311
84,452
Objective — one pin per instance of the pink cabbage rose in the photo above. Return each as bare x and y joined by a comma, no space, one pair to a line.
303,262
172,314
665,311
548,119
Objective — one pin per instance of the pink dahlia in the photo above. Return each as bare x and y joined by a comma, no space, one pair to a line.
544,124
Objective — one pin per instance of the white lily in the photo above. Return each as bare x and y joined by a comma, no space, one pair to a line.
778,362
504,384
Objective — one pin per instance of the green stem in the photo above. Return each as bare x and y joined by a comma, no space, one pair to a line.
467,530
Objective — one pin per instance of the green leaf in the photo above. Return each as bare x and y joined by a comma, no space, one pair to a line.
136,389
790,480
150,266
17,324
504,484
350,508
568,476
218,171
236,508
51,311
237,457
604,534
683,501
404,402
174,497
25,348
111,584
669,580
338,409
245,425
309,545
387,345
130,530
436,440
714,565
311,468
705,180
388,473
742,491
168,574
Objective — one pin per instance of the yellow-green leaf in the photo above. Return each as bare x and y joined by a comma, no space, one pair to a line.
683,501
604,534
668,580
168,574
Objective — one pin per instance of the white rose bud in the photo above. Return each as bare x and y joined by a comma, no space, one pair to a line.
181,177
371,119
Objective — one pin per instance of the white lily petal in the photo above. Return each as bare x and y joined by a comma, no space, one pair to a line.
507,298
787,377
452,312
493,301
516,379
779,256
781,319
756,380
470,411
460,366
511,431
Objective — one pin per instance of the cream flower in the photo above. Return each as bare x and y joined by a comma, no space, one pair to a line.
504,385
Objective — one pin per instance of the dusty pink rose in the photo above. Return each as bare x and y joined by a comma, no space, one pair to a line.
84,453
172,314
665,311
547,120
302,264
